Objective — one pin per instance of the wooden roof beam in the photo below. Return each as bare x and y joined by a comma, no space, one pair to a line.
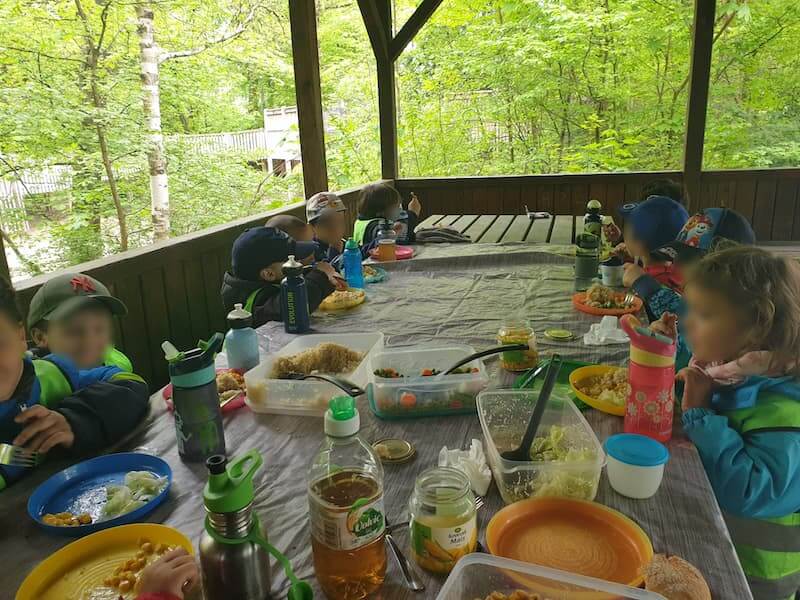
415,22
378,30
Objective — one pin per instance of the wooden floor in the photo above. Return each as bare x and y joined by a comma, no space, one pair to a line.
490,229
560,229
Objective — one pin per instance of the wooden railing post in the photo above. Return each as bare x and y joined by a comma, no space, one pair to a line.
697,104
305,53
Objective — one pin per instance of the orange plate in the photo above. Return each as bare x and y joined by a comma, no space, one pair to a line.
579,299
572,535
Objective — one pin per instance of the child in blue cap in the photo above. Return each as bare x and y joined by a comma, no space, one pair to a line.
649,225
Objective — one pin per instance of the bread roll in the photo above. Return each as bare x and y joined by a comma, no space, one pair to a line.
675,579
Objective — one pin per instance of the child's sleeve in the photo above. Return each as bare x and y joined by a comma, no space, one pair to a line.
107,405
755,477
319,287
659,299
267,308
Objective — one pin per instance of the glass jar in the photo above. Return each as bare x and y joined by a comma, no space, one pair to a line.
518,332
443,523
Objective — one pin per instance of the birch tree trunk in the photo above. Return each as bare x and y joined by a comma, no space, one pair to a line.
156,153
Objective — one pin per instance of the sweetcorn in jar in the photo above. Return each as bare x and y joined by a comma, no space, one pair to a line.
443,521
518,332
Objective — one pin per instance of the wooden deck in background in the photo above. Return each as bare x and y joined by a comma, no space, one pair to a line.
490,229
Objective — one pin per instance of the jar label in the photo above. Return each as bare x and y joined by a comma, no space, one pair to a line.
349,529
438,549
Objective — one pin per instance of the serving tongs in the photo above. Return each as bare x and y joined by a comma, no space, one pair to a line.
489,352
349,388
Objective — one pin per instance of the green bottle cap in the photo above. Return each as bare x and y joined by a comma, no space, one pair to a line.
594,205
343,408
351,245
230,485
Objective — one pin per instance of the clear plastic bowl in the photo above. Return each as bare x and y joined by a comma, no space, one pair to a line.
308,398
476,576
413,395
504,416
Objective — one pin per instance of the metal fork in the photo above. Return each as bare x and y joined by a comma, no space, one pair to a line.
629,298
16,456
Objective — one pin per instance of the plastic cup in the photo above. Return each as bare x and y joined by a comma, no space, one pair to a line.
611,275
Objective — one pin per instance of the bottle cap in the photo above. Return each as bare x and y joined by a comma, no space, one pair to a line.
292,267
351,245
594,205
341,418
230,485
561,335
239,318
394,450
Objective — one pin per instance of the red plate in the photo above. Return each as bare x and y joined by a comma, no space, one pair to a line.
400,252
236,402
579,302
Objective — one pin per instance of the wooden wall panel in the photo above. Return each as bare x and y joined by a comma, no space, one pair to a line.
764,210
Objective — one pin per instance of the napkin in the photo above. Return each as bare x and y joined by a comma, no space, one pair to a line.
472,463
605,332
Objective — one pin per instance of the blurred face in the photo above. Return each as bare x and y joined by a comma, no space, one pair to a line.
331,228
84,337
12,348
273,273
304,234
715,329
634,246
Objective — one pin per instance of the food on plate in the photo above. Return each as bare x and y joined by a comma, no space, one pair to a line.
368,271
675,579
341,299
229,385
515,595
327,357
66,519
137,490
126,574
599,296
611,387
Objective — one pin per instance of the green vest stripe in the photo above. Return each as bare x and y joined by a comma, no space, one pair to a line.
54,384
783,588
251,300
765,564
360,228
127,377
115,358
766,535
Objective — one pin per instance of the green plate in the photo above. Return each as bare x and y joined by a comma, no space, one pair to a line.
562,382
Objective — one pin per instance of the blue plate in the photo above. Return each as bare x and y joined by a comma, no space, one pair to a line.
81,488
379,276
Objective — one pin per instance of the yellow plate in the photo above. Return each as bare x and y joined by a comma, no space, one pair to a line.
595,371
82,565
573,535
342,300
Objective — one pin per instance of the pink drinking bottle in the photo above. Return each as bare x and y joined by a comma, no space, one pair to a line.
649,406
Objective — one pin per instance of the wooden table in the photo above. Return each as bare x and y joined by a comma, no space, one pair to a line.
490,229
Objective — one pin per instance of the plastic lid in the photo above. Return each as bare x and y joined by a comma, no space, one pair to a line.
239,318
594,205
341,418
230,485
292,267
638,450
351,245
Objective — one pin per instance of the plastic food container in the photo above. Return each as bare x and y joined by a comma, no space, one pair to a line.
476,576
504,416
415,395
635,464
309,397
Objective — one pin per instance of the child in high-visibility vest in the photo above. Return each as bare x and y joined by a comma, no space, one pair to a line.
380,202
741,404
49,403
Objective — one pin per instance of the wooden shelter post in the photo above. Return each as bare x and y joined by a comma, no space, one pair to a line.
305,56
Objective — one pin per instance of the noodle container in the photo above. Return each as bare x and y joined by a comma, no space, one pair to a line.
306,398
635,464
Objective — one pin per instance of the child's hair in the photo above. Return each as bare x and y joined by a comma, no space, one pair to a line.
289,224
375,198
663,187
8,302
766,288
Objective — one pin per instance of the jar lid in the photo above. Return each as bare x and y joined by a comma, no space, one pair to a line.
561,335
637,450
394,450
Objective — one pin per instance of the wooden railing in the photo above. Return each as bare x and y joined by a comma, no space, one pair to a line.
769,198
171,289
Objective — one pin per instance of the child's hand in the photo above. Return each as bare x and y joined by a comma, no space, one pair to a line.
174,573
697,388
667,325
612,233
621,252
43,429
415,205
334,277
632,273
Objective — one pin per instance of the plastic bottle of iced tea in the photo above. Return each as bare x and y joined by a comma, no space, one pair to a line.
345,498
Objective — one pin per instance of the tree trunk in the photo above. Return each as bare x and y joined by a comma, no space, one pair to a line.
156,153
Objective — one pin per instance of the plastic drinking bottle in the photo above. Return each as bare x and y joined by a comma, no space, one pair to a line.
587,260
241,341
294,298
649,406
352,265
593,221
198,420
